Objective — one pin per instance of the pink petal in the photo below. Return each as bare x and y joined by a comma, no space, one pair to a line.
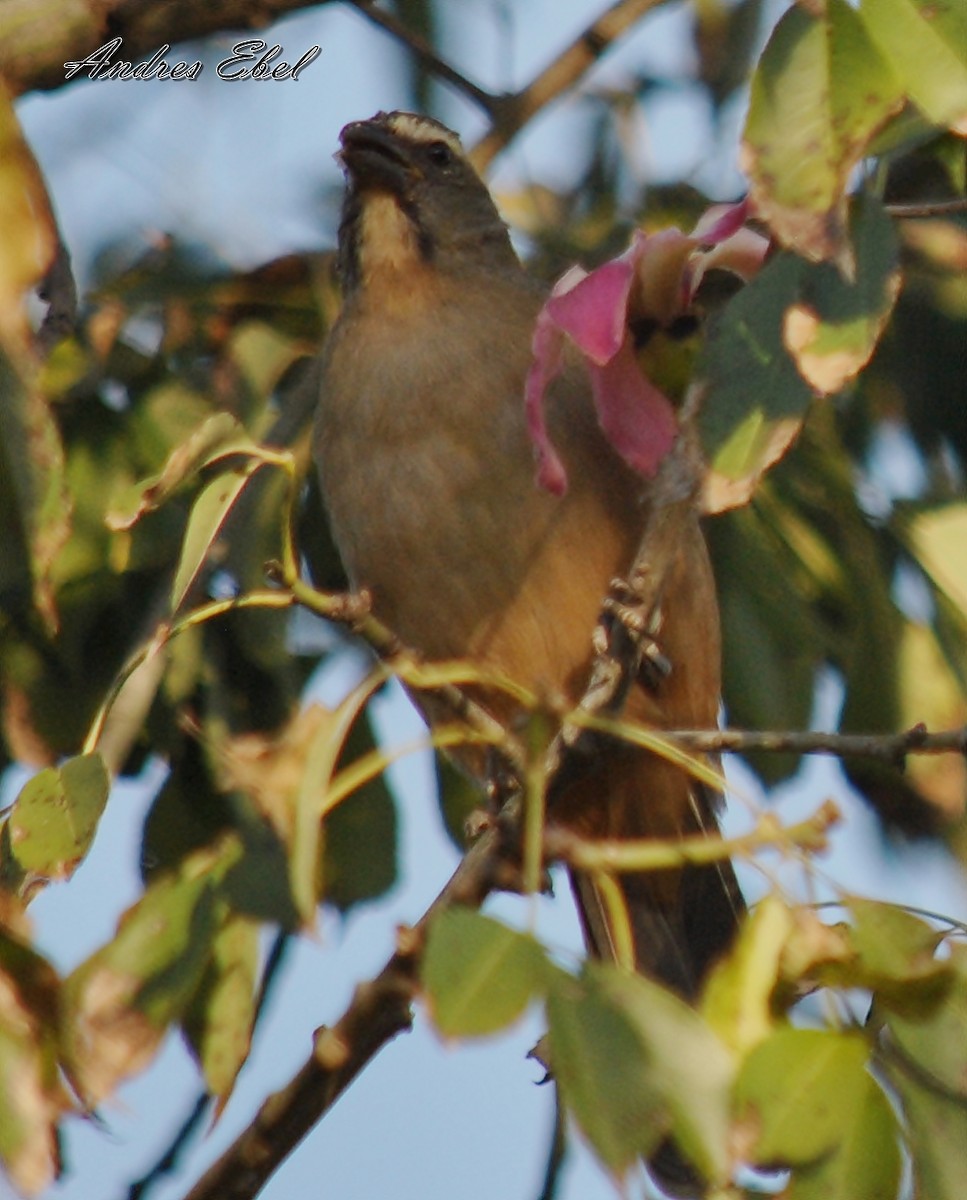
720,221
636,416
547,345
659,293
592,313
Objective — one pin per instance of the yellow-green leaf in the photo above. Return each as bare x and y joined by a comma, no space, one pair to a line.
479,975
56,816
819,94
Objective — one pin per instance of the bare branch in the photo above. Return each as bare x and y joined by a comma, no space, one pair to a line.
929,208
427,56
893,747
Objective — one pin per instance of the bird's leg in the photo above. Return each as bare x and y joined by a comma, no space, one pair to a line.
628,631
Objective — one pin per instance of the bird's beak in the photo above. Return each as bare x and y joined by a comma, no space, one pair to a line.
373,157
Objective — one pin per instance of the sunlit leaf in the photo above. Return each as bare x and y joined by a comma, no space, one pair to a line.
756,398
29,234
797,1093
866,1161
31,1096
122,1000
938,538
932,695
603,1072
478,975
832,331
819,94
737,999
220,436
897,954
207,517
56,816
926,45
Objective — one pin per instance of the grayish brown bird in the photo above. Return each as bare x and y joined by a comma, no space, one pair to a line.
428,475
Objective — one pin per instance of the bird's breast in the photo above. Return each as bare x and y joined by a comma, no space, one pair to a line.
428,476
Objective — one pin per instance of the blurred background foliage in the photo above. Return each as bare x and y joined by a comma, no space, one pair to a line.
849,563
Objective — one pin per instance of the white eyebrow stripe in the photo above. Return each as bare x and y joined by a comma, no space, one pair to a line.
423,129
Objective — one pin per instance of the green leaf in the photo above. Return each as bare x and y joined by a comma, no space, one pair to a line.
796,329
936,1038
798,1091
34,503
478,975
30,1103
819,94
219,436
737,999
772,639
867,1159
938,540
926,45
685,1061
897,955
756,398
31,1097
208,515
604,1073
930,1080
29,230
218,1024
322,754
833,330
360,835
121,1000
56,816
458,797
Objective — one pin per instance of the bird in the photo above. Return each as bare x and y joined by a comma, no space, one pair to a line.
427,473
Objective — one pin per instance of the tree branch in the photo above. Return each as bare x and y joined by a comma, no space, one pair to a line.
649,854
378,1011
514,111
893,747
427,55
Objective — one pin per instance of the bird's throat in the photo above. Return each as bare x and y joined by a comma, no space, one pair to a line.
388,242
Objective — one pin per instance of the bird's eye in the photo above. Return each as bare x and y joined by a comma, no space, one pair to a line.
440,154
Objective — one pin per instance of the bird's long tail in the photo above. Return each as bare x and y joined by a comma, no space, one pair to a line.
680,920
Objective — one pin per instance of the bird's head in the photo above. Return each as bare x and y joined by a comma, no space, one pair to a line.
413,200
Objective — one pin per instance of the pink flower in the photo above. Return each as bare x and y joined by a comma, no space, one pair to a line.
656,278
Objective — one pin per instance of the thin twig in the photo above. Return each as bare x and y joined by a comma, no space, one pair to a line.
353,611
653,854
928,208
426,54
510,112
891,746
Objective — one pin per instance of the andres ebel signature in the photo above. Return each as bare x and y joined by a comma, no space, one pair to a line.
252,59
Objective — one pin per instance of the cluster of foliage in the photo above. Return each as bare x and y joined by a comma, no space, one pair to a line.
135,621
